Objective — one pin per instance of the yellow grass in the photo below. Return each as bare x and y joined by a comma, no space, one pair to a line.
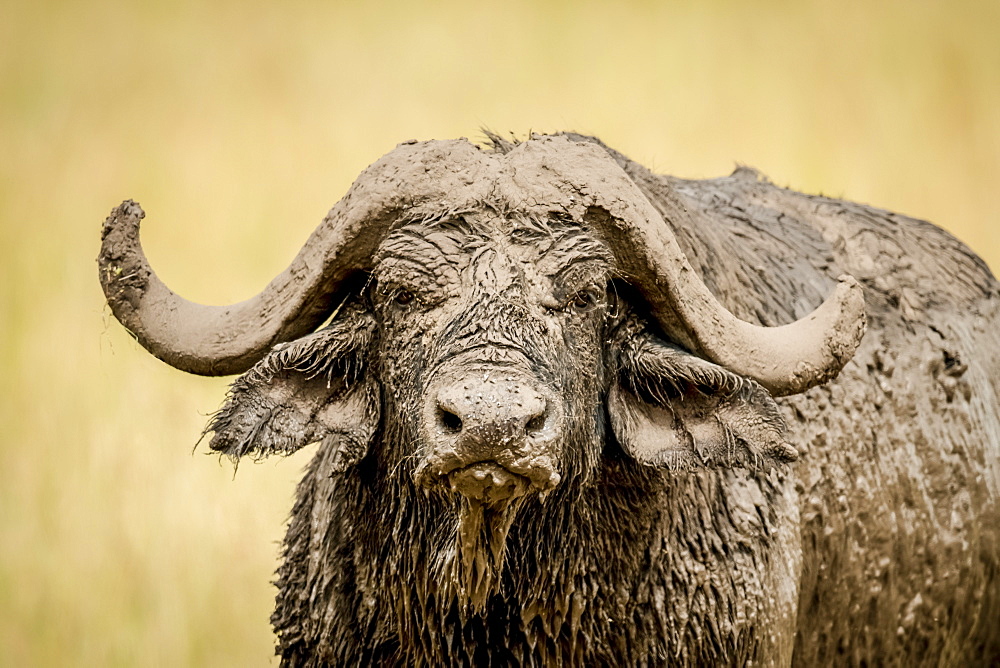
238,126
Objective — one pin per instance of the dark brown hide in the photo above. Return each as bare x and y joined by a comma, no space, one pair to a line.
661,508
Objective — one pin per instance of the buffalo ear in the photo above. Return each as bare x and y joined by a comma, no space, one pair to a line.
670,408
311,389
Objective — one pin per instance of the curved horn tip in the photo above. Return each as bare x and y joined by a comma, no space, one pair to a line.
120,227
120,266
850,321
843,318
129,210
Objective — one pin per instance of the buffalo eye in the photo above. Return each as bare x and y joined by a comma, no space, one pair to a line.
582,300
404,297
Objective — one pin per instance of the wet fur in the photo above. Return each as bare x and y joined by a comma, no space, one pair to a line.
714,555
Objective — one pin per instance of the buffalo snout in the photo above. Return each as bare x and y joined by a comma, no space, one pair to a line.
491,434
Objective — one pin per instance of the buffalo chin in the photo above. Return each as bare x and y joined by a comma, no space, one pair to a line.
481,542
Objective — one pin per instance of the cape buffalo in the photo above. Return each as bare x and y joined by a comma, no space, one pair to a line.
570,412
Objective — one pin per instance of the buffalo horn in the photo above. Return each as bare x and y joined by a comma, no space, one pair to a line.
786,360
431,179
222,340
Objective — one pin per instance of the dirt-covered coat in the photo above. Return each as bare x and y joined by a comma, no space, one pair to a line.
683,514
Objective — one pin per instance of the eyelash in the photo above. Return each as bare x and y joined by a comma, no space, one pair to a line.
396,295
582,300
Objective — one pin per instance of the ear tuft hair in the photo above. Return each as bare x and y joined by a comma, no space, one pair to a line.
308,390
672,409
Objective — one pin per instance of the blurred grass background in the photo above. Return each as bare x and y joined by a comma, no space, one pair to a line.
237,125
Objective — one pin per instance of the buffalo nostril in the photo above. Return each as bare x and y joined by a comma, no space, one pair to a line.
535,425
449,422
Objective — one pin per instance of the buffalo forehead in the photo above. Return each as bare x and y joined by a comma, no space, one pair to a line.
492,251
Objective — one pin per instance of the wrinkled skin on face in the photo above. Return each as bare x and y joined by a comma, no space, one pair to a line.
479,322
492,335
